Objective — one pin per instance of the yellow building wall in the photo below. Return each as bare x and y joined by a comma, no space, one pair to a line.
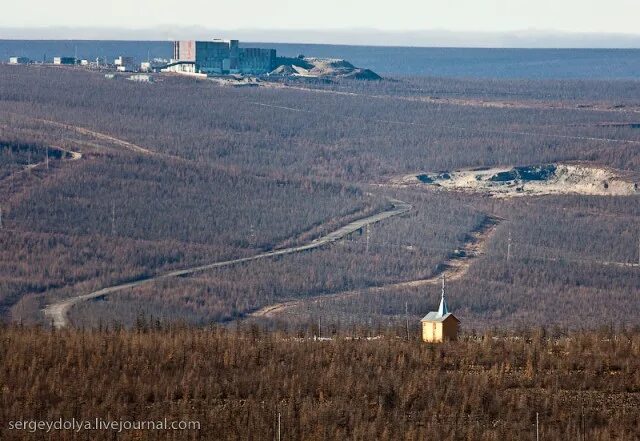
432,332
436,332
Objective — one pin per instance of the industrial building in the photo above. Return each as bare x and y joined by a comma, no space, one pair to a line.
124,64
221,57
64,60
19,60
440,325
154,65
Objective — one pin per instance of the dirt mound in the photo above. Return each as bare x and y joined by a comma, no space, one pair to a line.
362,74
283,69
312,67
529,180
330,66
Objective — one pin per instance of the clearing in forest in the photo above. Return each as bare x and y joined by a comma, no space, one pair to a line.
528,180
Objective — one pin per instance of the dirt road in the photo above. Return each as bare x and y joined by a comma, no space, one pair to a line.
472,102
454,268
101,136
57,312
457,128
73,156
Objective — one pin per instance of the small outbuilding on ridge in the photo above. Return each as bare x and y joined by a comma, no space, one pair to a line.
440,325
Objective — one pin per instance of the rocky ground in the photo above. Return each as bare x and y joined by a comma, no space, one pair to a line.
529,180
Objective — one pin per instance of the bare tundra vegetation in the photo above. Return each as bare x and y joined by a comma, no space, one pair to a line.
582,385
178,230
181,173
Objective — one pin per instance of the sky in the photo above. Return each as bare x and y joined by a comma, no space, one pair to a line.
397,16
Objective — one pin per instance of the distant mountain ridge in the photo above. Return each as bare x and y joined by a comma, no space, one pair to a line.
368,37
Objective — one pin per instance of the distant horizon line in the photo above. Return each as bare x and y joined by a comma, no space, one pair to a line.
427,38
400,46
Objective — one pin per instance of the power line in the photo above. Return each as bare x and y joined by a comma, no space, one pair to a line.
522,255
510,246
461,128
573,259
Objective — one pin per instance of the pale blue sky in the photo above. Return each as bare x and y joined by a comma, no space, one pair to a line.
597,16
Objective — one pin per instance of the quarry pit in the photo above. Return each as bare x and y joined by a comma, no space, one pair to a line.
515,181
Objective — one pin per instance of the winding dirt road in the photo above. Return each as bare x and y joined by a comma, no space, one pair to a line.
57,312
98,135
454,268
471,102
73,156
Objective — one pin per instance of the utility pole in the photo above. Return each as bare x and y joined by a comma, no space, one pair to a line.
278,426
46,160
367,233
113,218
319,328
537,428
584,434
406,316
509,247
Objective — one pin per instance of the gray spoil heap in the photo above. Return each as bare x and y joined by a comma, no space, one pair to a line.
311,67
